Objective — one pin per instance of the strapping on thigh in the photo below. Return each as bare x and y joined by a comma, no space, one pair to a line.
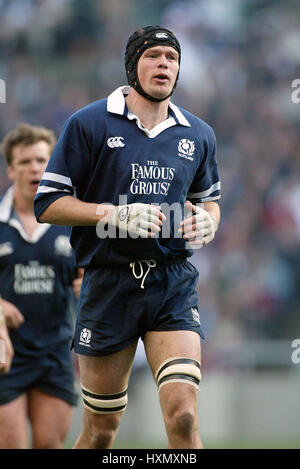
179,369
104,403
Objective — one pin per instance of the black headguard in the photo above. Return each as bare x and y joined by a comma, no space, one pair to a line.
143,39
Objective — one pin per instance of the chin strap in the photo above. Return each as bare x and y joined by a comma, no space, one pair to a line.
140,90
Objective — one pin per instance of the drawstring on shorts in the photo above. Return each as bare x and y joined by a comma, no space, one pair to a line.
150,264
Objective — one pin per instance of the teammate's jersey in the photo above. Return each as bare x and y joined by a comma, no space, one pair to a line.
104,152
35,275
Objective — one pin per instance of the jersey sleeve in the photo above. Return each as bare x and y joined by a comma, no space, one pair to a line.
206,184
67,168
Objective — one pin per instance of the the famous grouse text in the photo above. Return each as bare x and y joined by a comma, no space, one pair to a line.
151,178
34,278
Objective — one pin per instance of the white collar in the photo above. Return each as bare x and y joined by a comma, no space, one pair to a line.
116,104
6,206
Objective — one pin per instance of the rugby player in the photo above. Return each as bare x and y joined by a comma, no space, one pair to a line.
36,271
118,161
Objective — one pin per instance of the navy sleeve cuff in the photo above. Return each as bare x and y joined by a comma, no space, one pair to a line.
42,201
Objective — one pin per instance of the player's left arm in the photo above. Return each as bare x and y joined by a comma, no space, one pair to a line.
202,212
213,209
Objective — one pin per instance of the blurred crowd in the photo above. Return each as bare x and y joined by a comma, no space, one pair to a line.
239,60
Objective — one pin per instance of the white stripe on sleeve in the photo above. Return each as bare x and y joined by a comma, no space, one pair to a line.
213,188
48,189
57,178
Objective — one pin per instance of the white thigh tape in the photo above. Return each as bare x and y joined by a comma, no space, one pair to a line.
104,403
179,369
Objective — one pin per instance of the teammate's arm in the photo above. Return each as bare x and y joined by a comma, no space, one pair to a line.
76,284
12,316
5,361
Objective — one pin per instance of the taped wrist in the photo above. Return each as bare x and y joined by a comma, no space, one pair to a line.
122,216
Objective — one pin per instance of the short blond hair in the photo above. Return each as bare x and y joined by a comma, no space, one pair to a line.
26,134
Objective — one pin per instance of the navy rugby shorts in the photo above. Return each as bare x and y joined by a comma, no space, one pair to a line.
51,373
114,311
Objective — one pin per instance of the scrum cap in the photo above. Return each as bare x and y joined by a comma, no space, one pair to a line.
139,41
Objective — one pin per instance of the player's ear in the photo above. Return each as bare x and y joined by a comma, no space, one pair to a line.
10,172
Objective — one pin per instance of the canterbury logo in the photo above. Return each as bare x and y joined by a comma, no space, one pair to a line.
113,142
162,36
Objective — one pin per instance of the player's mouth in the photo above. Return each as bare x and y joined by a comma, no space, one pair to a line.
35,184
161,78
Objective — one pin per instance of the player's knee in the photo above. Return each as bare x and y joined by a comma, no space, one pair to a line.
101,438
101,431
182,377
183,422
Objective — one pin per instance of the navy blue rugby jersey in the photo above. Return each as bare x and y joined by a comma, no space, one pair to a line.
104,152
35,275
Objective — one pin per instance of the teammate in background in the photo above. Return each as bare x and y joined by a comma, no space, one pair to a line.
36,273
130,157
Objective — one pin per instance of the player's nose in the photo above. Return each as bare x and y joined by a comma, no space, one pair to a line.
163,62
35,166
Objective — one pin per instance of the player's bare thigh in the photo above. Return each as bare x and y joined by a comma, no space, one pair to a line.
178,398
160,345
163,345
50,419
13,418
105,375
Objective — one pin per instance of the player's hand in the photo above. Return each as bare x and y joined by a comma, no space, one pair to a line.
6,350
199,227
76,284
139,220
13,317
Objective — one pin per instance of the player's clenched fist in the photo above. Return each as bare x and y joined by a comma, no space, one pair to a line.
199,227
139,220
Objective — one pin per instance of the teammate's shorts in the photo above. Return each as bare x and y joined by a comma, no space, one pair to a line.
52,374
114,311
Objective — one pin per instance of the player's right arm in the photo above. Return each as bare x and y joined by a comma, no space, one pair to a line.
58,199
143,220
69,211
